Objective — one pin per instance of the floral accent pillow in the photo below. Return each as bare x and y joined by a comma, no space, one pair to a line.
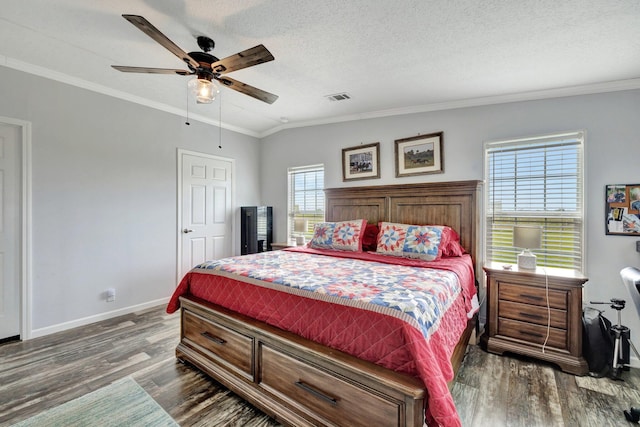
343,235
410,241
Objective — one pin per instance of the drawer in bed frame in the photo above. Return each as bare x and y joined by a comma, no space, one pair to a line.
225,345
294,380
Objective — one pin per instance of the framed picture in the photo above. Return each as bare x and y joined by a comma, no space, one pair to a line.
361,162
622,209
419,155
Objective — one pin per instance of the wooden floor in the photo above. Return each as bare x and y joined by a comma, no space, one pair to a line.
489,390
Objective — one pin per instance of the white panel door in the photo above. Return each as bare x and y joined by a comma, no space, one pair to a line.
9,231
207,212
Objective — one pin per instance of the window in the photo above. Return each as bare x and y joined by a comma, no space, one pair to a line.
536,181
306,199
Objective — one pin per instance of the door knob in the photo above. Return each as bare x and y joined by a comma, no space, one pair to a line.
186,230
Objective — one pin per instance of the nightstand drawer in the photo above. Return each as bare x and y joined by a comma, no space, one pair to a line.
532,333
532,295
533,314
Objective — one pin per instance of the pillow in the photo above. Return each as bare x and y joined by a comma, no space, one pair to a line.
450,243
370,237
410,241
453,249
343,235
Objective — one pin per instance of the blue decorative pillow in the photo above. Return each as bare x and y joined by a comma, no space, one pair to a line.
410,241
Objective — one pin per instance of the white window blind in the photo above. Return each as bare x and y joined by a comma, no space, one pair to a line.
536,181
306,198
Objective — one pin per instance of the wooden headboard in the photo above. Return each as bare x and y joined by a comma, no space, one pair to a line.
439,203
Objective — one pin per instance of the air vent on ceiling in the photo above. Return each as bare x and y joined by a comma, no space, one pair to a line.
338,96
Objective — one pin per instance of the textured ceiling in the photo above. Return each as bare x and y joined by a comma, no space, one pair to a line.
390,56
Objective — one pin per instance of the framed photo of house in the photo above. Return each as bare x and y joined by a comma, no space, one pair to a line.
622,209
419,155
361,162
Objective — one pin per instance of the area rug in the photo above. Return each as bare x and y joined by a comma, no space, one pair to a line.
123,403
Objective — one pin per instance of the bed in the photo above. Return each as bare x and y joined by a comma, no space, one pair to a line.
308,355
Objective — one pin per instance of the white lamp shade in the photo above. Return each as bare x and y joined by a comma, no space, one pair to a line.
300,225
527,237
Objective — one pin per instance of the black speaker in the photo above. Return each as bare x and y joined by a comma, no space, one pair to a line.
256,229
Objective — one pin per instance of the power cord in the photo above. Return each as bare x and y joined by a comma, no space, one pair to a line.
546,286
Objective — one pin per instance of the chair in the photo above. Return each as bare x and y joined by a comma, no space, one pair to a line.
631,278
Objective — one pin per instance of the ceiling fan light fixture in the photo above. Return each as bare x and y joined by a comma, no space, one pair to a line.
203,65
204,90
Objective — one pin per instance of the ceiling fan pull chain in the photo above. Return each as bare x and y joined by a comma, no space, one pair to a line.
187,122
220,122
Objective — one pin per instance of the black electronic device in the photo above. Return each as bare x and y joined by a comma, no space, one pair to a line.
256,229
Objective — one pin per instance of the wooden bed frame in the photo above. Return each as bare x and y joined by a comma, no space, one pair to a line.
302,383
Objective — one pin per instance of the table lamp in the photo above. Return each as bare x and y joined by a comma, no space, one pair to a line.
300,226
527,238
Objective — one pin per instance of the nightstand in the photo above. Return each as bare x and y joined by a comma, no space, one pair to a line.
520,316
282,245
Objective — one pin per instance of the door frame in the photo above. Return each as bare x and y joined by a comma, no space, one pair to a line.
25,256
181,153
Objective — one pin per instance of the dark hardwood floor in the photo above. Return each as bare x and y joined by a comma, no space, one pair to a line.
489,390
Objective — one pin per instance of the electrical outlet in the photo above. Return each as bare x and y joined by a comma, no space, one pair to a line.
111,295
638,246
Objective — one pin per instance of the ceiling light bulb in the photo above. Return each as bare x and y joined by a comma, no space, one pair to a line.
204,90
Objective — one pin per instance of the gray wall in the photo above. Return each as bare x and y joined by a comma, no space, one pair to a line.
611,122
104,195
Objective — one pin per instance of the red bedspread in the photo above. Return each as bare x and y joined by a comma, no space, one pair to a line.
369,333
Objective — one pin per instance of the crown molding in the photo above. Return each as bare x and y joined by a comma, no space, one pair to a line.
614,86
104,90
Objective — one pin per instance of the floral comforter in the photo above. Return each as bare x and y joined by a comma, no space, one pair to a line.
387,310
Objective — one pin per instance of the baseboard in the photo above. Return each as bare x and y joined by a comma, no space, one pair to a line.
35,333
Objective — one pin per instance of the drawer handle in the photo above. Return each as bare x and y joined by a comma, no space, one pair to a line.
213,338
533,297
317,393
531,315
533,334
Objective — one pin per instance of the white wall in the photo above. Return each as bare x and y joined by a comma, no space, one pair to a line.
611,122
104,196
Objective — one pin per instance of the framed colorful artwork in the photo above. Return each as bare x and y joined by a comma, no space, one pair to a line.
622,209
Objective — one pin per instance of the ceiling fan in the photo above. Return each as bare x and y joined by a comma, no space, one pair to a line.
205,66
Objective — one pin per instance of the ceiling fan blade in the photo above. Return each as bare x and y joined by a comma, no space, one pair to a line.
147,28
259,94
148,70
247,58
